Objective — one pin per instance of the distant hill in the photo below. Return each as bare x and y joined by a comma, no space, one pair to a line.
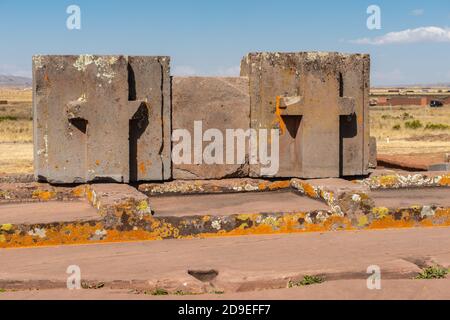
417,85
14,81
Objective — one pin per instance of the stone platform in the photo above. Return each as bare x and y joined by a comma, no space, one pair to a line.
39,214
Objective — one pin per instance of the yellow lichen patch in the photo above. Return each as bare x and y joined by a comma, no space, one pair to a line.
6,227
363,221
380,212
388,181
142,206
2,238
244,217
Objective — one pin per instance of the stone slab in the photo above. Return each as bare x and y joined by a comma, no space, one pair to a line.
401,198
115,199
219,103
338,186
232,185
47,212
291,256
230,204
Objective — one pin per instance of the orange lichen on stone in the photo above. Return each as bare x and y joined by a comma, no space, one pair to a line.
279,118
44,195
309,190
445,180
142,168
279,185
79,191
390,222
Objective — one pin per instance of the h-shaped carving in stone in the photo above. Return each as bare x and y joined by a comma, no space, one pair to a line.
116,163
101,118
317,127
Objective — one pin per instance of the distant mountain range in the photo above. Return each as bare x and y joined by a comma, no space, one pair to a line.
25,82
14,81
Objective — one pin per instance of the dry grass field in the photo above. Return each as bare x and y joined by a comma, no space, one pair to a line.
16,135
399,130
413,129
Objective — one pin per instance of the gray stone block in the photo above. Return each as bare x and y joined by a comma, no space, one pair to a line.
101,118
319,102
439,167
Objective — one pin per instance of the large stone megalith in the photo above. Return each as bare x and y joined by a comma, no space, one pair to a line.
319,103
101,118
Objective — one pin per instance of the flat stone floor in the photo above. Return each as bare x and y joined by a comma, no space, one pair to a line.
409,197
234,203
47,212
342,289
398,252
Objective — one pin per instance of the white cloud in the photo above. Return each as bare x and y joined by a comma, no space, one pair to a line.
183,71
417,12
422,34
229,71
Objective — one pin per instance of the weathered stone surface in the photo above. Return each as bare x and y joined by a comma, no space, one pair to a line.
439,167
219,103
212,186
101,118
117,199
373,152
108,118
319,101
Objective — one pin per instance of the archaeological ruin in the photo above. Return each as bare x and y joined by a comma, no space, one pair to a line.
117,118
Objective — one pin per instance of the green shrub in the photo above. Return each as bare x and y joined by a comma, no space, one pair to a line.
406,116
306,281
396,127
433,272
6,118
160,292
437,126
414,124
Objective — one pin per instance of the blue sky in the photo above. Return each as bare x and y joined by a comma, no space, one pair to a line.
209,37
